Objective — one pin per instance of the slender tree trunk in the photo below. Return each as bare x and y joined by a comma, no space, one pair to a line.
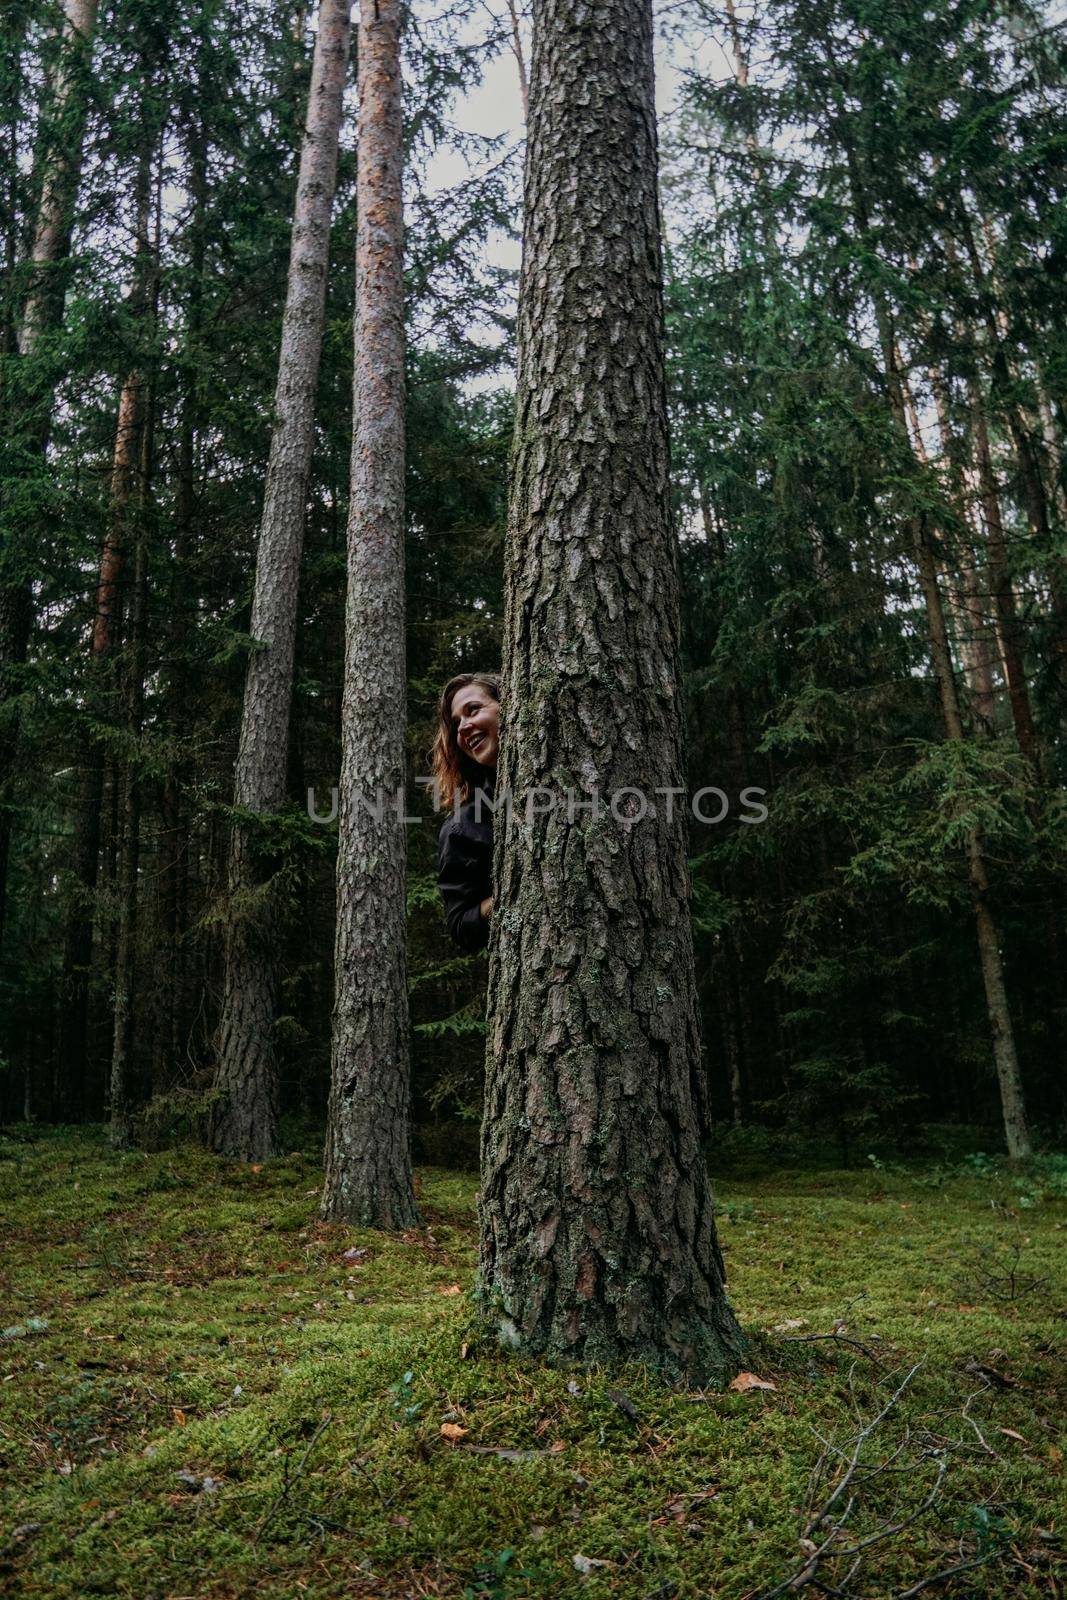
598,1236
1001,1031
78,938
243,1123
962,588
14,43
1000,1024
1007,619
178,843
42,311
368,1159
1026,454
120,1097
520,58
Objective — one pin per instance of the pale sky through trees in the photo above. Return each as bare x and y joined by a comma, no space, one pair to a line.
493,110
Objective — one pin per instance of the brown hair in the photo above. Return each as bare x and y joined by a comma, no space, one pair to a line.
455,772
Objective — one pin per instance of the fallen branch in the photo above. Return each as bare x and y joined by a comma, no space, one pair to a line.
289,1479
838,1338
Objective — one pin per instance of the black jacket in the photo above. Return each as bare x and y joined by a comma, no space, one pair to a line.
465,874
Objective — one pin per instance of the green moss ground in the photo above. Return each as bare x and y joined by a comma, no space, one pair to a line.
197,1322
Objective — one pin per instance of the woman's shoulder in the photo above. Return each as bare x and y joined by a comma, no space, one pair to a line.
472,822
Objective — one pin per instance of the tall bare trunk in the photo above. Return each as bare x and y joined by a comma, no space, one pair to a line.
128,887
1027,457
962,586
1008,629
520,58
368,1160
43,309
1002,1035
598,1238
243,1123
126,465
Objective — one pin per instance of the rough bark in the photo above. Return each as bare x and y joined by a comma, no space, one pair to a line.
243,1123
368,1160
598,1238
42,310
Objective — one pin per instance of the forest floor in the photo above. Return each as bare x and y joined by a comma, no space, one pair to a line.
206,1391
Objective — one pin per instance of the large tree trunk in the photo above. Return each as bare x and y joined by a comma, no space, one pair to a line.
598,1234
368,1160
243,1123
43,310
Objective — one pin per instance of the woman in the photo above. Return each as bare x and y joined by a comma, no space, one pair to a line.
464,763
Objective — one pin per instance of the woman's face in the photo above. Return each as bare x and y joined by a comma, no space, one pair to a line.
476,719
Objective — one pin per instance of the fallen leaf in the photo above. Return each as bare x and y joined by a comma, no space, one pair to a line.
453,1288
1010,1433
789,1324
588,1564
179,1416
748,1380
464,1350
257,1166
453,1432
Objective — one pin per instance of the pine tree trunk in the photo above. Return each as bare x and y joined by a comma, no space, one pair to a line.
1008,630
1000,1025
962,589
1027,459
78,938
14,43
243,1123
1001,1032
598,1234
119,1096
368,1158
178,843
43,310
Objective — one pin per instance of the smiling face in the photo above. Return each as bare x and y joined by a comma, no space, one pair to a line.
476,720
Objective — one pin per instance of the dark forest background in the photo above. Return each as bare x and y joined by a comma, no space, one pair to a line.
867,305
